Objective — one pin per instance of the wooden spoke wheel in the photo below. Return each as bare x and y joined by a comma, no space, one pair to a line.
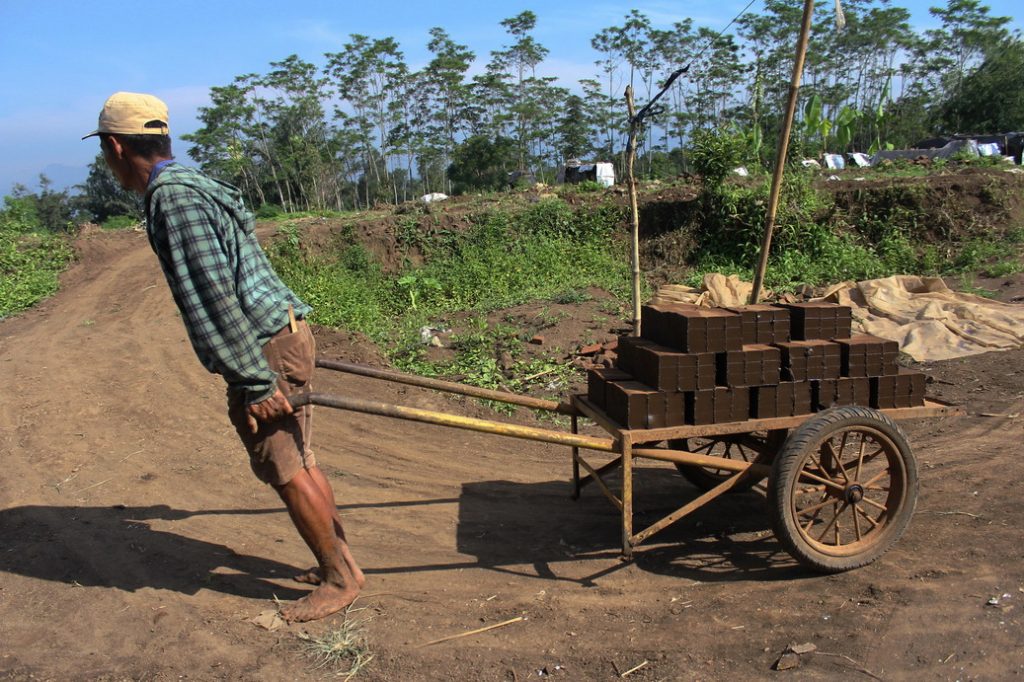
843,489
744,447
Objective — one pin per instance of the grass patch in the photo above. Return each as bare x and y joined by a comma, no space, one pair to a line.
342,650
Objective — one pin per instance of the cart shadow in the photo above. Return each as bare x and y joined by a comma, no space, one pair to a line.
507,525
116,547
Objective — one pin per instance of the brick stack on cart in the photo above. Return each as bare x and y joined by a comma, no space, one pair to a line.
699,366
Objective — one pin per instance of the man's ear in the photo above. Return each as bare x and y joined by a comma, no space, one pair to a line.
117,150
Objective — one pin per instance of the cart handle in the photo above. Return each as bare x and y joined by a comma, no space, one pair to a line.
442,419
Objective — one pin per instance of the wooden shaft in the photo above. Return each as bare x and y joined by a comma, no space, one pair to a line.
634,211
627,498
442,419
780,156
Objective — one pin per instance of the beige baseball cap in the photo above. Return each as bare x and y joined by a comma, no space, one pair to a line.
132,113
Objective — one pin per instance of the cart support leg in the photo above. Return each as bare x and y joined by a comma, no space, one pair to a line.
627,498
575,461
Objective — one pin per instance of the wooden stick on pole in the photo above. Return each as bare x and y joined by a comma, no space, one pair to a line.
780,157
634,214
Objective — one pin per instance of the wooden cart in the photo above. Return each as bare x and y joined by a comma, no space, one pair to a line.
842,483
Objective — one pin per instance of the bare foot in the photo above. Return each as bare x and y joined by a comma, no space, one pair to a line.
320,603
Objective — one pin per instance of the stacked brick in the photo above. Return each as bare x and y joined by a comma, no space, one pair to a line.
705,366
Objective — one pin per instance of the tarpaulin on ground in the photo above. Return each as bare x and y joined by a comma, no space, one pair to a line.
928,319
715,291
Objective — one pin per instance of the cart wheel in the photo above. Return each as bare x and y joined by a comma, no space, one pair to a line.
842,489
741,446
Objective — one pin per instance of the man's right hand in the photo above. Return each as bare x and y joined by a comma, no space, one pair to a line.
274,407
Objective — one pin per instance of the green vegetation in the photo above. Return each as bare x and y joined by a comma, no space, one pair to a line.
545,252
120,222
31,258
822,237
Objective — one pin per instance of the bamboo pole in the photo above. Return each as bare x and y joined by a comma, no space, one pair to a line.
634,212
442,419
780,156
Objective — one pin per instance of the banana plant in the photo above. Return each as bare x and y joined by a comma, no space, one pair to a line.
844,126
880,118
816,125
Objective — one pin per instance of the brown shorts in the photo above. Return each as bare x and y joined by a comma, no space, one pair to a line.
280,449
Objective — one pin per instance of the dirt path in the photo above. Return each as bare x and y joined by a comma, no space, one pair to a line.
135,544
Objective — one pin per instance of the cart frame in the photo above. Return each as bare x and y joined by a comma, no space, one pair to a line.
624,444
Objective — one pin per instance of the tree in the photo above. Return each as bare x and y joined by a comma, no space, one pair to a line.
444,103
990,98
370,75
102,197
967,33
574,132
480,164
515,68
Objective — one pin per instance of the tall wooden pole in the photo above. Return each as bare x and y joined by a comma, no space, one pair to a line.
780,156
634,213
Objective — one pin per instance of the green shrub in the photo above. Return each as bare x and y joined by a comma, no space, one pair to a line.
269,211
120,222
30,262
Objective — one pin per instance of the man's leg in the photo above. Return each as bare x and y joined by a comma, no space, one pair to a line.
328,492
314,518
312,576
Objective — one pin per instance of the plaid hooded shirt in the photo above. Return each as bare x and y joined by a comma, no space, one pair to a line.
230,298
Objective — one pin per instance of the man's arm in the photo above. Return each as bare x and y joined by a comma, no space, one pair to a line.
197,263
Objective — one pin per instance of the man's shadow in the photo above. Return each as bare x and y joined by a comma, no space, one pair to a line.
116,547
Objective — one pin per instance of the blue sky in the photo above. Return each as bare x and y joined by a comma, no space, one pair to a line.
60,59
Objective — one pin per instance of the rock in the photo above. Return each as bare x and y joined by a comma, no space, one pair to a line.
537,340
805,648
590,349
787,661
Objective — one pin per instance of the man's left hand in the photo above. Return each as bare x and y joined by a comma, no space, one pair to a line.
274,407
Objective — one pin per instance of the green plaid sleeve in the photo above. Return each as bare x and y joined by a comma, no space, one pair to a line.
196,258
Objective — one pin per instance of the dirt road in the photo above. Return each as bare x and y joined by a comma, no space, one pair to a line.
135,544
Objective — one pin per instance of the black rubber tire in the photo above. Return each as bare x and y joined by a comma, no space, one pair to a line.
706,479
794,461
